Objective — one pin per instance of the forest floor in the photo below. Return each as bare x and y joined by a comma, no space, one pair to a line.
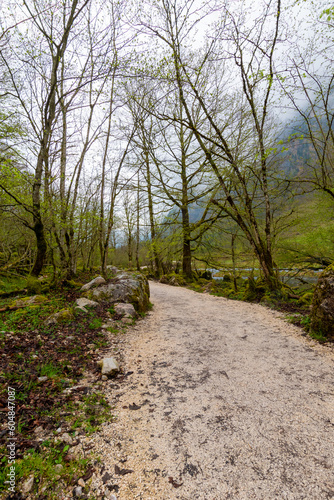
216,399
224,399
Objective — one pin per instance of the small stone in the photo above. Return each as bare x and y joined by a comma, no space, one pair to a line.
58,467
109,366
81,482
42,379
34,356
77,492
125,309
109,495
58,430
83,302
39,430
28,484
66,438
90,346
104,377
106,325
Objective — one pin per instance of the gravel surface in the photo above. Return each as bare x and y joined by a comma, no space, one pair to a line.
226,400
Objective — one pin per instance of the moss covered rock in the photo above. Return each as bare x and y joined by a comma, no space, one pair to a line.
34,285
29,301
173,279
322,316
255,290
125,287
63,316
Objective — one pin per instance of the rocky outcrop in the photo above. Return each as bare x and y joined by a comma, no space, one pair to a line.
95,282
322,316
130,287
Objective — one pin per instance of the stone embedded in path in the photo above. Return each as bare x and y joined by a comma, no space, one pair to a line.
126,310
95,282
109,366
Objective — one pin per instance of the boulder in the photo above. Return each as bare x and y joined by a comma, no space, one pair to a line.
127,287
206,275
126,310
95,282
322,316
109,366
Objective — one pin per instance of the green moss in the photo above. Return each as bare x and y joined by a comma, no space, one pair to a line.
322,316
33,285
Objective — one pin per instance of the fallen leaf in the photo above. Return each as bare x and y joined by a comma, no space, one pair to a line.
134,407
174,483
122,472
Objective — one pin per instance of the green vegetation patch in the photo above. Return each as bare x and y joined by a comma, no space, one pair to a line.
42,363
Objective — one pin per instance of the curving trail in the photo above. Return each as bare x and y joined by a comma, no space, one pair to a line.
230,403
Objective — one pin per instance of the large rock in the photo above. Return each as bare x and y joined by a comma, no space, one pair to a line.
125,287
322,316
95,282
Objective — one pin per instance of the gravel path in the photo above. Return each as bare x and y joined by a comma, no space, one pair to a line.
226,400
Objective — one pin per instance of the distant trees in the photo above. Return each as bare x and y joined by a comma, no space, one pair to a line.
308,82
234,130
68,67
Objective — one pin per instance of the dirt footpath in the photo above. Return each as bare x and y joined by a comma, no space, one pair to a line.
226,400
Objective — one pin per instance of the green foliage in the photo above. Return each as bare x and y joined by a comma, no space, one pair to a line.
42,466
95,323
94,410
49,370
319,336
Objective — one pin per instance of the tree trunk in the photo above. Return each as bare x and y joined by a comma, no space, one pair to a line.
151,216
233,262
